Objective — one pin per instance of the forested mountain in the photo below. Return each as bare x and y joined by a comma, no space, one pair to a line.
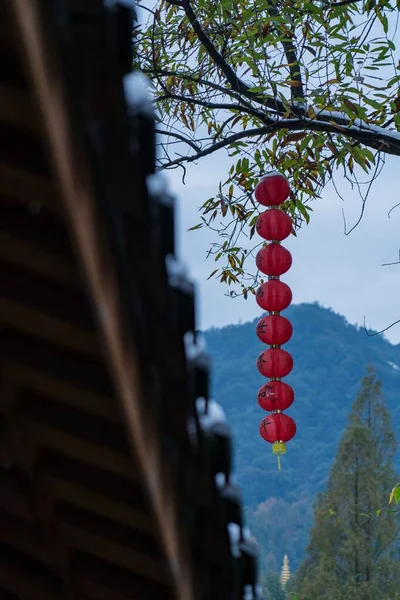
330,358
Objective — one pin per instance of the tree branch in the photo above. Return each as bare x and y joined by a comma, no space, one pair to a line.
371,136
222,144
203,38
200,81
294,67
397,262
212,105
377,139
342,3
236,83
382,330
180,137
291,57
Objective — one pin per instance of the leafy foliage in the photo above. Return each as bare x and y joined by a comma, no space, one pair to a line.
308,88
281,527
353,551
330,357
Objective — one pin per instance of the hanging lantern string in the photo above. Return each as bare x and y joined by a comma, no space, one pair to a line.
274,225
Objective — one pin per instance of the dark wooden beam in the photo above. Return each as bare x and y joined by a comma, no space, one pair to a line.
116,510
95,251
61,391
16,109
44,436
26,188
20,253
37,323
46,546
102,581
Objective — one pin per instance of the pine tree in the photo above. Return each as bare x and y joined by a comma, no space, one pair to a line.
353,552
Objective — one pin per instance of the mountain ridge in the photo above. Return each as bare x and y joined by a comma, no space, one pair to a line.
330,359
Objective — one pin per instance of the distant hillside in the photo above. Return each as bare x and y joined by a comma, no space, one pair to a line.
330,359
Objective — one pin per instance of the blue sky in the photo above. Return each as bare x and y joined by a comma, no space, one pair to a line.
342,272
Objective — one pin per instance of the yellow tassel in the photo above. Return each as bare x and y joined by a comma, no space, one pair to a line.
279,448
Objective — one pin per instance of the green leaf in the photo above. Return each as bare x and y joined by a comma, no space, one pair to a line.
395,494
383,19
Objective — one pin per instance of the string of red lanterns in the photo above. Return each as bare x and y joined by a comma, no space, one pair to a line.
273,260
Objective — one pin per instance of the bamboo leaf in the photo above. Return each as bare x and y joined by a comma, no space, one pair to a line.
213,273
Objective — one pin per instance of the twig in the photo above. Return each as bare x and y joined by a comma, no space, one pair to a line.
392,209
199,81
180,137
382,331
222,144
214,105
183,174
392,263
342,3
365,198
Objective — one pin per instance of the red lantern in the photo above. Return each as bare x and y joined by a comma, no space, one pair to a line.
272,189
273,260
274,330
275,362
277,427
275,395
274,224
274,295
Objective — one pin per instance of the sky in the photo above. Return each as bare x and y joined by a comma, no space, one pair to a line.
341,272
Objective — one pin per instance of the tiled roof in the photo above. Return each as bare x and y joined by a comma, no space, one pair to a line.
114,483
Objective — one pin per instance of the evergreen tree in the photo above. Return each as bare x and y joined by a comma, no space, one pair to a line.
272,587
353,549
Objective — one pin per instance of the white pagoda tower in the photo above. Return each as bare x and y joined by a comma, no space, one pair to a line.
285,573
